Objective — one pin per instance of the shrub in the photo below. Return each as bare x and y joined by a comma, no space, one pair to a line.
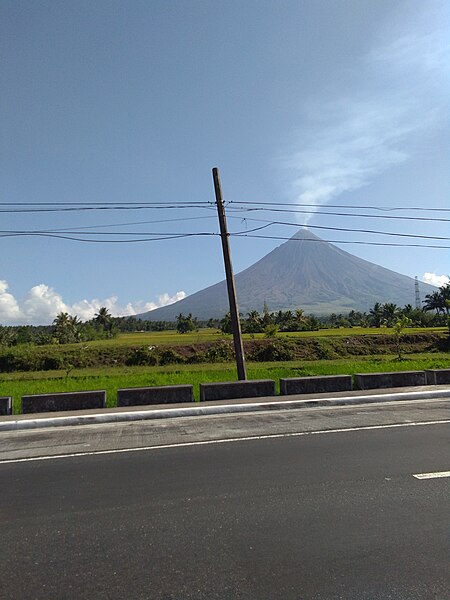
145,355
325,350
220,352
274,351
271,330
170,357
52,363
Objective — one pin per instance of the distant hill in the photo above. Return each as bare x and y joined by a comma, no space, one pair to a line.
304,272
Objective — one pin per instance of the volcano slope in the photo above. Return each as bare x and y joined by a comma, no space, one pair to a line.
304,272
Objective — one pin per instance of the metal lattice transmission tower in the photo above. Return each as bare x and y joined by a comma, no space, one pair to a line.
416,286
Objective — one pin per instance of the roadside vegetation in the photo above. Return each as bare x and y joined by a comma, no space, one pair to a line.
209,347
110,353
113,378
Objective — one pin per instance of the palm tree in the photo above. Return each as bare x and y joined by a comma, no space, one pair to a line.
61,320
65,328
376,314
253,323
300,316
445,293
75,324
434,301
103,318
390,313
408,310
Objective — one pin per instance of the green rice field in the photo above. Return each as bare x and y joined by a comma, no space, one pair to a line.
173,338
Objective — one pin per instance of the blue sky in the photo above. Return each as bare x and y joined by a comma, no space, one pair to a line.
312,103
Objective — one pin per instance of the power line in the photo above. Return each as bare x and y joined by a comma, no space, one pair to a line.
106,241
337,214
352,206
76,229
272,237
249,234
203,203
235,209
371,231
103,233
79,231
182,202
105,208
232,205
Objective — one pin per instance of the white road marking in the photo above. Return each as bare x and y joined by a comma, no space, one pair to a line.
223,441
435,475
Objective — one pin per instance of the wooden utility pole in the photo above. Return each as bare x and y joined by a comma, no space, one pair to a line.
234,312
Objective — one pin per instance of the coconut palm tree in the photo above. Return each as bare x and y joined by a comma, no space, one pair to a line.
62,319
434,301
376,315
390,313
300,317
253,322
103,318
66,328
445,293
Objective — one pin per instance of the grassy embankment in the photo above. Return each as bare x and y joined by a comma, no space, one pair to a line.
358,356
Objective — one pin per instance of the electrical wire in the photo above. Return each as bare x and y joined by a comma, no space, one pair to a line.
181,203
351,206
202,203
371,231
103,208
103,233
234,206
249,234
272,237
76,229
337,214
106,241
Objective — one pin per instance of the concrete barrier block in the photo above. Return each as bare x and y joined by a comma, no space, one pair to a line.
369,381
166,394
5,405
228,390
437,376
313,385
38,403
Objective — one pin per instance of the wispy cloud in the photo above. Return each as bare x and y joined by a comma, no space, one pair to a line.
346,156
42,303
401,89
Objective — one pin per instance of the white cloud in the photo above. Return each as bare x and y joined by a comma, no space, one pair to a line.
42,303
361,134
165,299
9,309
141,307
437,280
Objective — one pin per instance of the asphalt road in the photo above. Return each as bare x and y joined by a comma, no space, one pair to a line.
304,515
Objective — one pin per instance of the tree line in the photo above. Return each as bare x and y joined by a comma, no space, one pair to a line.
435,313
67,329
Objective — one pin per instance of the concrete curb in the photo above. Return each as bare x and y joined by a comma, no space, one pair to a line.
199,410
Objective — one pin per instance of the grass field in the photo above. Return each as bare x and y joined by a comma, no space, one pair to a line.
173,338
113,378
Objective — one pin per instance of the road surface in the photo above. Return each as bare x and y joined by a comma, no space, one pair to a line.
304,504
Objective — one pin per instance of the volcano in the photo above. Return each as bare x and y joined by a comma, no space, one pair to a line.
305,272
